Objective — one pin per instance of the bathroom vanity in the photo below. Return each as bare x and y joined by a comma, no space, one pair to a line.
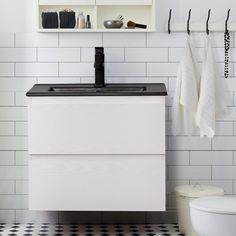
97,149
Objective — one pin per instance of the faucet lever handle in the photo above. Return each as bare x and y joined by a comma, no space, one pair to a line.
99,50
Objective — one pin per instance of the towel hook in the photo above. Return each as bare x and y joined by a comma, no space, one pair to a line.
189,16
226,23
207,22
170,13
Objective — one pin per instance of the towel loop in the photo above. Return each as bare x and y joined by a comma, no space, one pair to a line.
226,23
207,22
170,14
189,16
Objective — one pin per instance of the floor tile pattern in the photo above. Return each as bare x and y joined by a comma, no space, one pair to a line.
88,230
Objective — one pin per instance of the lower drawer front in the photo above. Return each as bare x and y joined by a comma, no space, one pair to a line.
97,183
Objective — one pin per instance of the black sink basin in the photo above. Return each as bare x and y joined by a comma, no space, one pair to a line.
96,90
48,90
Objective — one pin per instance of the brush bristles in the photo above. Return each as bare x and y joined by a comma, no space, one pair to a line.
131,24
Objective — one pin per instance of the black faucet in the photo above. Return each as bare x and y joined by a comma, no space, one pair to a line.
99,67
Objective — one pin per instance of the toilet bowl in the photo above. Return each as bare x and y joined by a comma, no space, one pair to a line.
214,216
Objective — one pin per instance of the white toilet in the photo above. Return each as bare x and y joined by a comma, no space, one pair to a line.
214,216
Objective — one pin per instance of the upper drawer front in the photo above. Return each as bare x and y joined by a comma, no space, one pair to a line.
108,126
66,2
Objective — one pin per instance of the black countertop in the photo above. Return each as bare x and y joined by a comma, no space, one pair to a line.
48,90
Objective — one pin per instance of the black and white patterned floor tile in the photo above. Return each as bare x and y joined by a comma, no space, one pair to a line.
88,230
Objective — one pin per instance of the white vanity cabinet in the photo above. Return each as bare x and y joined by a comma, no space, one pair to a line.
103,153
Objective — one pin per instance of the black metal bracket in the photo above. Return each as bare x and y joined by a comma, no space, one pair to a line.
189,16
170,14
207,22
226,22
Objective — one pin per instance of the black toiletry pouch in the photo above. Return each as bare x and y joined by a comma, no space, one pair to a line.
67,19
50,20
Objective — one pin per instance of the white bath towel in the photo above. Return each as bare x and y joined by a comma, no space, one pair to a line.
186,93
213,95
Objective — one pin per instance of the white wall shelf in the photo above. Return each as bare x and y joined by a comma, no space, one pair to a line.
95,30
139,11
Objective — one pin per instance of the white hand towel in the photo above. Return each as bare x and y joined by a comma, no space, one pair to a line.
213,95
186,93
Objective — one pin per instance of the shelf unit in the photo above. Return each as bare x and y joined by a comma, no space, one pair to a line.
140,11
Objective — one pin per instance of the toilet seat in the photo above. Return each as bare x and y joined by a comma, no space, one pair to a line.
220,205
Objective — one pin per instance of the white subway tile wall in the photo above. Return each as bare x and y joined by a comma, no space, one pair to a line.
58,54
29,58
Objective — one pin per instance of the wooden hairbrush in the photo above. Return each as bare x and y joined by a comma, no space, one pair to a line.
132,24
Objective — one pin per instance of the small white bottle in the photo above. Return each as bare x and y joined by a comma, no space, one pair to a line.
81,24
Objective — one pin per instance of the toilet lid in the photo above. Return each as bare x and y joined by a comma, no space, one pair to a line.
198,190
221,205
